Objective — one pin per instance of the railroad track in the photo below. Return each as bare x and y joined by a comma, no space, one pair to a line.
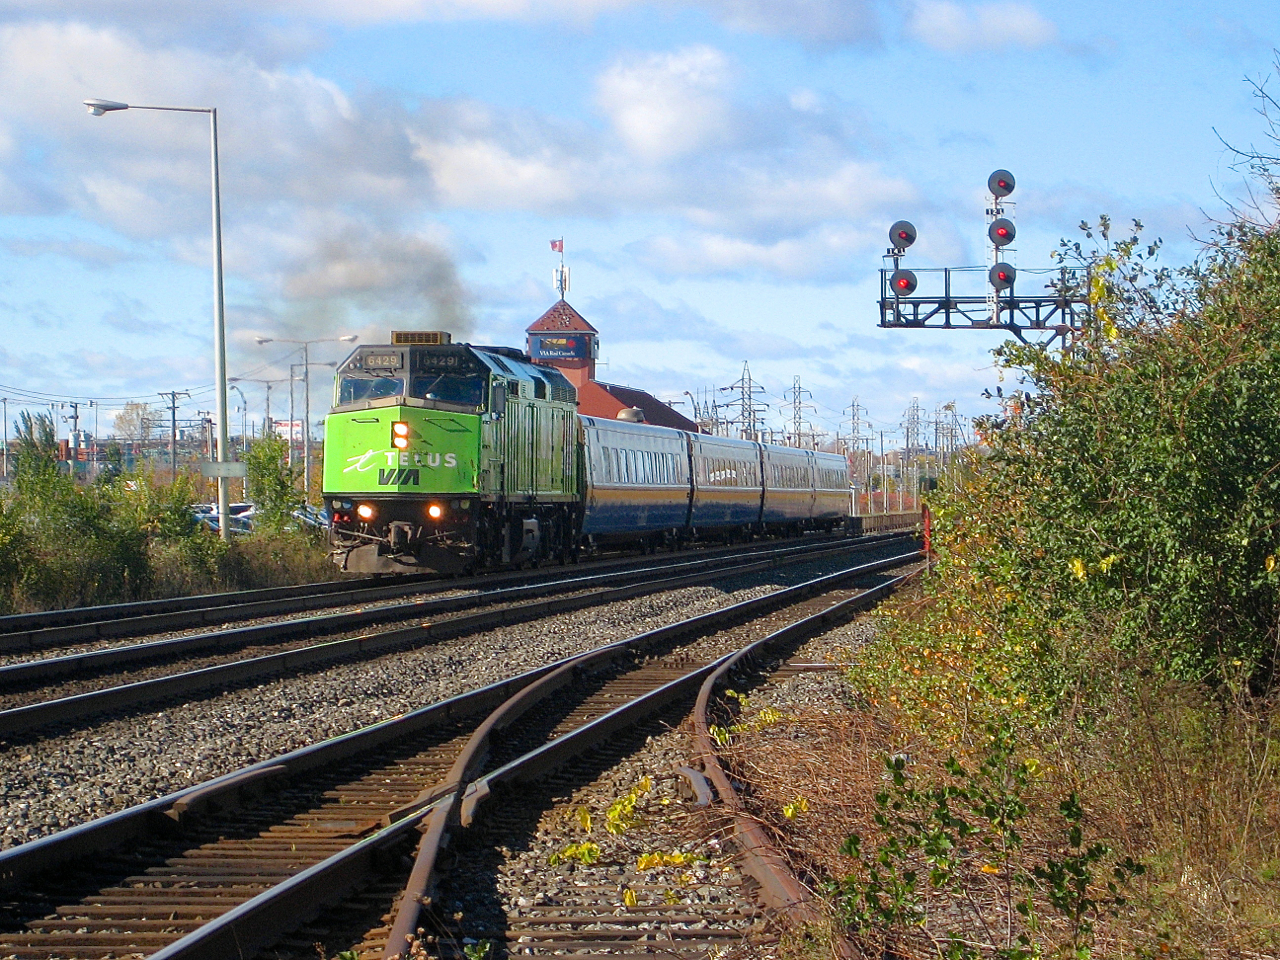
49,630
262,849
37,693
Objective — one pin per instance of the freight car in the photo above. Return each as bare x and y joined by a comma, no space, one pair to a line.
447,457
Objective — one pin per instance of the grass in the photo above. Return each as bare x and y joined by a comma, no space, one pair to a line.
1183,780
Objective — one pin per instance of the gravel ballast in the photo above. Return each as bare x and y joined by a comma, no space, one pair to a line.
82,774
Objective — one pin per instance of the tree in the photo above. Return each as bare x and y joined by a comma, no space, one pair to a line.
135,421
272,485
37,446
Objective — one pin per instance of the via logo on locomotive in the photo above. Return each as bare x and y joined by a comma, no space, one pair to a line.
369,459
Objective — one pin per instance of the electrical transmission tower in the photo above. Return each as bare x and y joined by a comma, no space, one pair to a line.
912,421
949,433
798,434
706,413
750,412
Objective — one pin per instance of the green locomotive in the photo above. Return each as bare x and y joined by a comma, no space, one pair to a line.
445,457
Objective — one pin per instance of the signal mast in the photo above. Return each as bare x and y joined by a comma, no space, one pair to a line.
1061,313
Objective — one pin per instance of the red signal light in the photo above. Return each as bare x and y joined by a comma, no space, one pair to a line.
903,283
1001,183
1002,276
1002,232
902,234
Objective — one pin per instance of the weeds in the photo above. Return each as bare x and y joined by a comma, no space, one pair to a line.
951,871
126,537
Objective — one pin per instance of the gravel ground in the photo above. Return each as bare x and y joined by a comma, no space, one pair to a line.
515,878
109,643
697,875
85,773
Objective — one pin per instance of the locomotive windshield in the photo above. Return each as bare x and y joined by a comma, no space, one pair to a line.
451,388
355,389
448,388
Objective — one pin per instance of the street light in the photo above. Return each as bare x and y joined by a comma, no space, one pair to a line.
306,399
267,429
98,108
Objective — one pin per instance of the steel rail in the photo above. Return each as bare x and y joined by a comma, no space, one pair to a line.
460,809
271,913
37,631
22,719
253,925
39,639
779,887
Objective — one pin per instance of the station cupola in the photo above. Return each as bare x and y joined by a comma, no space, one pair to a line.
563,339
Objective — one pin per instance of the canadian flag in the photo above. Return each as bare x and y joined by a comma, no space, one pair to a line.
557,246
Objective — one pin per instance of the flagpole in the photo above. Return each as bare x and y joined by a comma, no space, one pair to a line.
562,280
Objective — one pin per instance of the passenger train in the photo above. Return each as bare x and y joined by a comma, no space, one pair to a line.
449,457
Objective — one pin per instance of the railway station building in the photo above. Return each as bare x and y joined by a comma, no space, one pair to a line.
562,338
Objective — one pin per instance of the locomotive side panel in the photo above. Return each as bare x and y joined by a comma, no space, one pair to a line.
637,478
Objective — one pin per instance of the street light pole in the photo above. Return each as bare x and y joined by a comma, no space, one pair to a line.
100,107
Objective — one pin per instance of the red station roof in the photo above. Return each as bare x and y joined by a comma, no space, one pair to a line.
607,400
561,316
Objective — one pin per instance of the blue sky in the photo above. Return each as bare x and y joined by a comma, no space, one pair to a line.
723,173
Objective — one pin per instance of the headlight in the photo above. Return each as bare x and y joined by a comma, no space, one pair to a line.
365,511
400,435
435,511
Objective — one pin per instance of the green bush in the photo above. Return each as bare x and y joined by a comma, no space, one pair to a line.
272,485
1127,512
132,536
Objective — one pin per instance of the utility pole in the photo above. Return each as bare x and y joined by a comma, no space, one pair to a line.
884,478
173,396
94,449
306,425
206,427
292,415
5,401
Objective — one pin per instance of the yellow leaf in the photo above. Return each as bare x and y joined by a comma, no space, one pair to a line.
628,897
990,868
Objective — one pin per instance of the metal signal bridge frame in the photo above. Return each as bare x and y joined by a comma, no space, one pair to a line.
1061,313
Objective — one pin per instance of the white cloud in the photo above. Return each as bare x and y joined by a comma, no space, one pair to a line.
828,252
788,197
667,104
950,26
285,27
821,22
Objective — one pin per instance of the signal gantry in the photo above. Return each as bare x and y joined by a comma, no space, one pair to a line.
1060,312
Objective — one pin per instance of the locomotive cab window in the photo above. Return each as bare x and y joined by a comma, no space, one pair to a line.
354,389
466,389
